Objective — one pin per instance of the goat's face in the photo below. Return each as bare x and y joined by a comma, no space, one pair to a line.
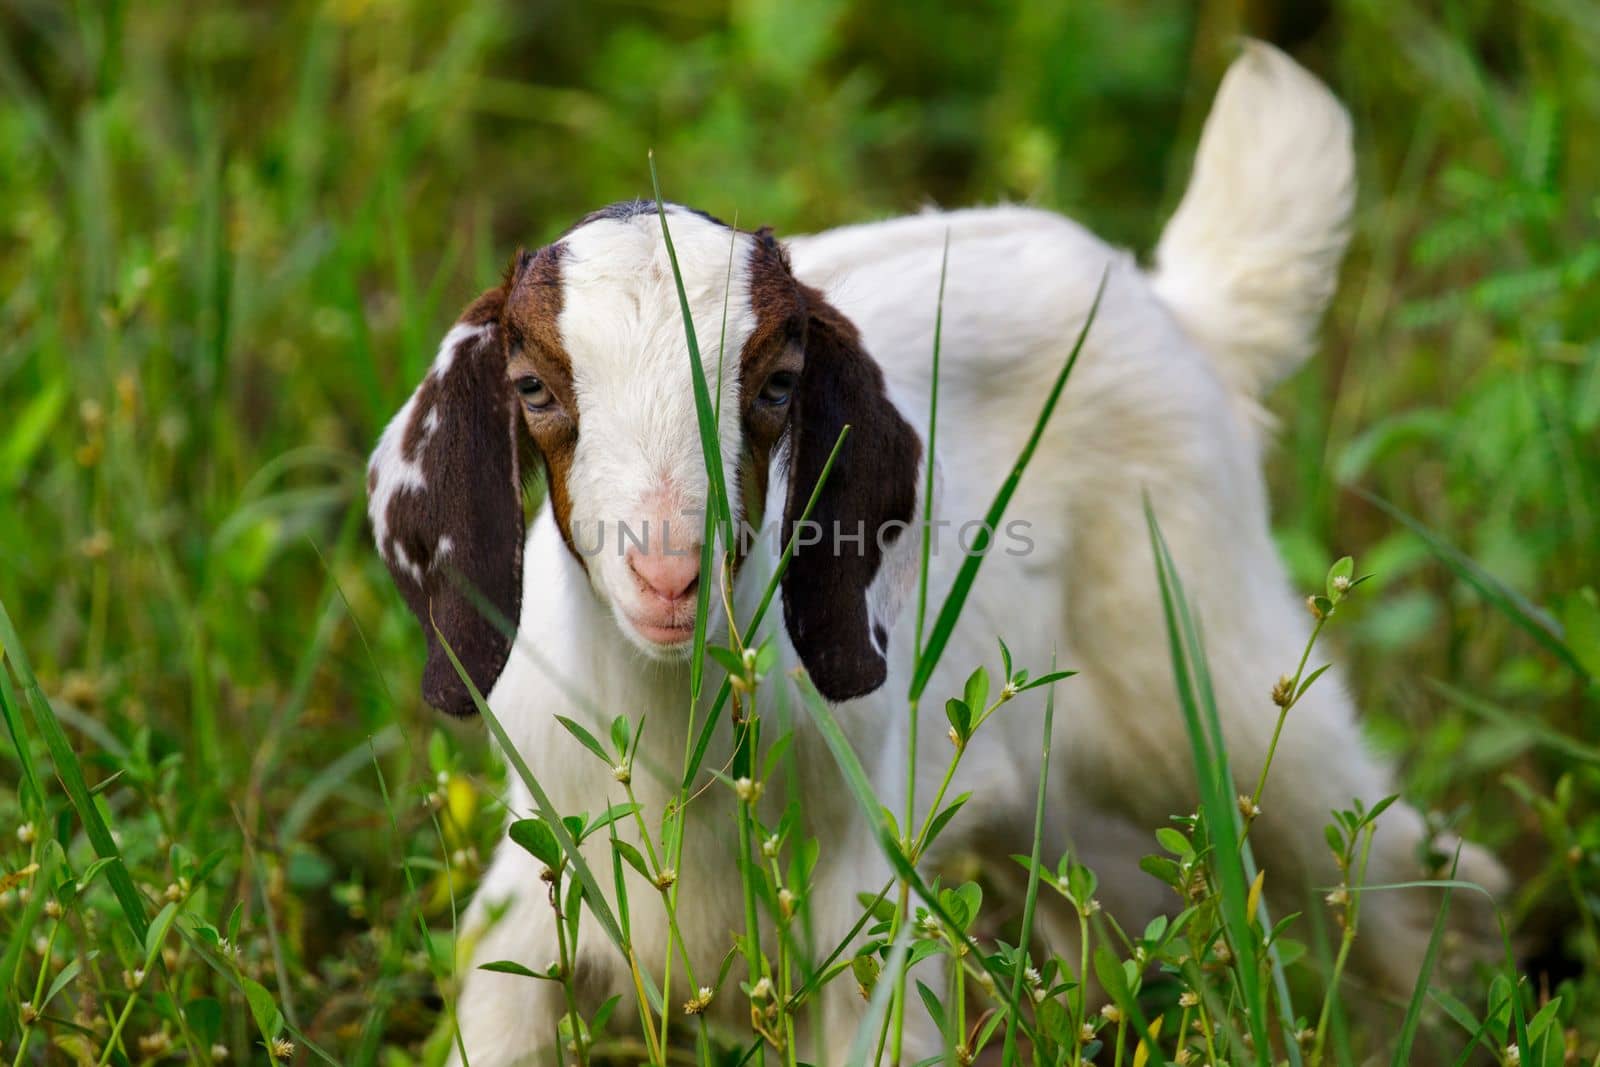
579,362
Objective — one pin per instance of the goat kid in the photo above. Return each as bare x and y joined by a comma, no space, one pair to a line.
577,364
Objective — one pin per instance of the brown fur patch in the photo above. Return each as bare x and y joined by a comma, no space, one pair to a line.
533,332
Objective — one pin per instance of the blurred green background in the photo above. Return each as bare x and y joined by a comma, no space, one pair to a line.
233,232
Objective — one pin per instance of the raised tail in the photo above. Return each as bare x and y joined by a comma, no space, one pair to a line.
1251,257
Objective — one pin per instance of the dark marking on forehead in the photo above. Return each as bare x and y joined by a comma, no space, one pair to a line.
623,210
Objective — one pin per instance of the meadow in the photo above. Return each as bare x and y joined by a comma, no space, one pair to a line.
233,234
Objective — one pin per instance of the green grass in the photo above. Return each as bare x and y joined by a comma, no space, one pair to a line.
232,237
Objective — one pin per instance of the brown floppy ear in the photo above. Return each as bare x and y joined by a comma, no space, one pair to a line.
838,621
444,493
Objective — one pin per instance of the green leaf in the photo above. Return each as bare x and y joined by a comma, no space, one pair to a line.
937,824
537,839
611,815
602,1014
586,739
976,693
960,715
866,970
66,975
727,659
1174,842
930,1000
1312,677
158,932
510,967
632,857
775,752
1023,685
1345,568
438,752
262,1007
621,735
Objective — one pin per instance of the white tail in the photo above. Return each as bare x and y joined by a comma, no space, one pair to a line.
1251,257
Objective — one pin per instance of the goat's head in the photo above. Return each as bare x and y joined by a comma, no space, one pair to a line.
578,362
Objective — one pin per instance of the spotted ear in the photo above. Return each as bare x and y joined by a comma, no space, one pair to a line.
843,584
444,493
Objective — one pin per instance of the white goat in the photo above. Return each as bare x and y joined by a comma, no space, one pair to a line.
578,362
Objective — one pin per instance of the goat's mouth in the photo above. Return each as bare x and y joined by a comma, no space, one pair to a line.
672,633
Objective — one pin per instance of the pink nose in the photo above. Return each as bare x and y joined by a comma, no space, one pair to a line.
670,576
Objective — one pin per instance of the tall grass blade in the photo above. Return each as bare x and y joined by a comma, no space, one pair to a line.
710,441
70,772
931,446
861,789
593,897
1419,993
944,625
1008,1052
1220,815
709,728
1510,603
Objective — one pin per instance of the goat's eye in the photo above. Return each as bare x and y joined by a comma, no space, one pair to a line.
779,388
534,392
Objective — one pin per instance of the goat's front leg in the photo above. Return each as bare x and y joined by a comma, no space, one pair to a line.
509,1020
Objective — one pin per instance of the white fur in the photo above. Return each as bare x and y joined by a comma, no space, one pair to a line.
1251,257
639,459
1152,408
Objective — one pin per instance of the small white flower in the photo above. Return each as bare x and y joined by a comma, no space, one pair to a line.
442,778
622,773
697,1004
1086,1032
748,791
282,1048
762,990
1188,998
1031,976
28,1012
1513,1055
1341,583
769,847
1112,1013
219,1052
25,833
52,908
